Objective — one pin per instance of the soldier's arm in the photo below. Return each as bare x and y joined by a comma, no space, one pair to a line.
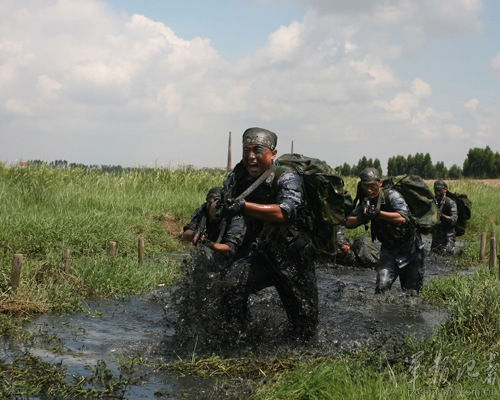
392,216
265,212
188,235
222,248
453,217
400,213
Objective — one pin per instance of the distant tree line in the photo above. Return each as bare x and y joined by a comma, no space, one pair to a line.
480,164
347,170
111,169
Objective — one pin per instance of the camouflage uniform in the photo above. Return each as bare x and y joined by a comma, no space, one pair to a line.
281,255
234,235
443,236
342,257
402,251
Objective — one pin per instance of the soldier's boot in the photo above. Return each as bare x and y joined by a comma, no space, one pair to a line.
385,278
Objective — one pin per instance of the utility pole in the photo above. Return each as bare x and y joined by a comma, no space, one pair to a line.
229,167
291,151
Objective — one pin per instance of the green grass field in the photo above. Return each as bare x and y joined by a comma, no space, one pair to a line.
44,211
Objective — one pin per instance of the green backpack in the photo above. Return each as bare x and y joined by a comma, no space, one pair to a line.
464,206
326,199
420,199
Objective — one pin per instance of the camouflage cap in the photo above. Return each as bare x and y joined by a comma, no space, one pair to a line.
214,194
260,136
369,174
439,184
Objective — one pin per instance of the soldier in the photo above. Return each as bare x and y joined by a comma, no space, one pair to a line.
345,255
443,236
204,227
282,252
402,252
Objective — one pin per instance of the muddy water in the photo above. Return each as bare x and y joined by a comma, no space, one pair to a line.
352,317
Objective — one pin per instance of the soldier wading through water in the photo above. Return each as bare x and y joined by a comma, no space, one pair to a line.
281,253
443,236
402,251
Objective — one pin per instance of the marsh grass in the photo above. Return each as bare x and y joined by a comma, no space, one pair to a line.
460,361
44,211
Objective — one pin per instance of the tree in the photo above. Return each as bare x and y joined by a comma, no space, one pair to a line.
428,170
377,165
397,166
454,172
481,163
440,171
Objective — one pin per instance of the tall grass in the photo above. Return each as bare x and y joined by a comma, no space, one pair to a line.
44,211
461,361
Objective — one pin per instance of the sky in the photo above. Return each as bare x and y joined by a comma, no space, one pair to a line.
162,83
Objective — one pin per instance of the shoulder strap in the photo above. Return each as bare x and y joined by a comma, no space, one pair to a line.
246,192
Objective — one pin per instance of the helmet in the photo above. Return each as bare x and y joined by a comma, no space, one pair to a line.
260,136
438,185
369,175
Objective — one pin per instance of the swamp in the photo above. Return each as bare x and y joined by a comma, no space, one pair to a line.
93,326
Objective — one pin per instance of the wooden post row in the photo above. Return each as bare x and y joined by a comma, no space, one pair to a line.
15,274
67,260
112,250
482,249
140,250
493,250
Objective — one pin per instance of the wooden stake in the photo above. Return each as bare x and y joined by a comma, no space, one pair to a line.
112,250
493,250
140,250
15,274
67,260
229,162
482,248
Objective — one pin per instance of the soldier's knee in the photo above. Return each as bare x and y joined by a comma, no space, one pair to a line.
384,280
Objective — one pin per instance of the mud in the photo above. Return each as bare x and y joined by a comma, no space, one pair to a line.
142,328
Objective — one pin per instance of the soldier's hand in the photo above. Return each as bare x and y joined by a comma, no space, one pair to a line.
196,237
372,212
232,208
362,219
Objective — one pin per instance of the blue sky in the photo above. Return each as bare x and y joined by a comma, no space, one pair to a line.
163,82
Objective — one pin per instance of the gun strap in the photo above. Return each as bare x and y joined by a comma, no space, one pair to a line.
246,192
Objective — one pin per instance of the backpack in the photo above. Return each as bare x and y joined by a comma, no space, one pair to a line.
420,199
367,253
326,200
464,206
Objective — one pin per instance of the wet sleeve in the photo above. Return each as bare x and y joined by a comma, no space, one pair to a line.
289,193
357,211
453,212
195,220
398,203
235,234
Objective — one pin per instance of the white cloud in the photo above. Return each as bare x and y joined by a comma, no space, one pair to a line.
472,105
48,86
126,89
420,88
17,107
436,17
495,63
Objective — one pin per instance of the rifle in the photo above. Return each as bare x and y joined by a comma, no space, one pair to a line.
202,227
246,192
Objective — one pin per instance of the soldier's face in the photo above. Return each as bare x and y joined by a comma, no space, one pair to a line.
371,189
212,212
257,159
439,193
